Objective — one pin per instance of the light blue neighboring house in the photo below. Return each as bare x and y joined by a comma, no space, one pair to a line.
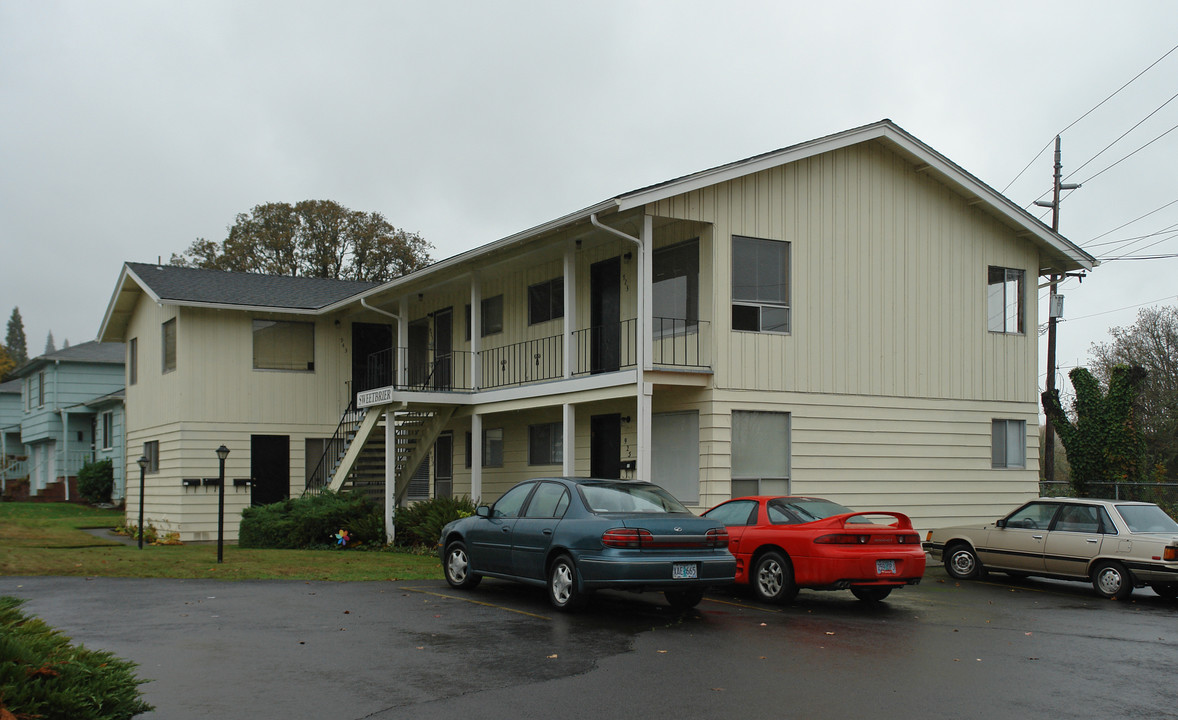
12,464
71,412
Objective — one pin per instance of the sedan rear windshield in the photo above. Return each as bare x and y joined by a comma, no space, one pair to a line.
629,497
1147,518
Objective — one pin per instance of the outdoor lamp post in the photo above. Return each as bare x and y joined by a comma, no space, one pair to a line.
142,469
222,453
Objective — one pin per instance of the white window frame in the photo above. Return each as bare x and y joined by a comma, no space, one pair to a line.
1005,309
751,473
108,427
554,443
757,299
1008,444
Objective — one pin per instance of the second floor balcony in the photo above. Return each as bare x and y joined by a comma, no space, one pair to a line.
676,344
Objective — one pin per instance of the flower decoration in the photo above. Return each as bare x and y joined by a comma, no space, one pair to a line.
341,537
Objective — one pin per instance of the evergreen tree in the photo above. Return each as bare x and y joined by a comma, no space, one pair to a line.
14,341
49,346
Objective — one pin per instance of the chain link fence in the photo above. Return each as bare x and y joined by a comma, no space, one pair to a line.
1164,494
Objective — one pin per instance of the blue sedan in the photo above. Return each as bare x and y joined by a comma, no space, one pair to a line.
577,535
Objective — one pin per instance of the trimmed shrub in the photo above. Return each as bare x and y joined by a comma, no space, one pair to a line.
310,521
421,523
96,480
44,676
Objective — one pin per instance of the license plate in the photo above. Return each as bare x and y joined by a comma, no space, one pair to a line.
684,571
885,567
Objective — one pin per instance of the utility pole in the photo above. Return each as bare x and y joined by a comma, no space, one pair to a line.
1052,314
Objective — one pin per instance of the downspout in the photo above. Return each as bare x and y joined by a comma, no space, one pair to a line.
642,399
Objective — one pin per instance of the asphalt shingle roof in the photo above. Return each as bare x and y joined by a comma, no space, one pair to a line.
182,284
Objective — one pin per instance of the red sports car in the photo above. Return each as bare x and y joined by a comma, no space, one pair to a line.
783,544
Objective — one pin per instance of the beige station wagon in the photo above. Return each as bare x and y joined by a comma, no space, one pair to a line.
1117,545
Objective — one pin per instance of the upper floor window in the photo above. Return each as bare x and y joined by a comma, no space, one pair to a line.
133,361
546,301
41,389
675,292
1008,447
491,317
169,345
1004,300
760,285
280,345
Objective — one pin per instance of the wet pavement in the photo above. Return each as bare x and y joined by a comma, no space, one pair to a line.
342,651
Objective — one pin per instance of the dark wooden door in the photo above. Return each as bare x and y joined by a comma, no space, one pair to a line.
605,315
605,446
269,468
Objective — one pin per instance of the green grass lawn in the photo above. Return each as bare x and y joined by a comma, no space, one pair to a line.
48,539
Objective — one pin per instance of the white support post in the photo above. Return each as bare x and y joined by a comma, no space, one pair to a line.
476,455
390,474
402,351
645,325
476,330
569,444
570,306
65,451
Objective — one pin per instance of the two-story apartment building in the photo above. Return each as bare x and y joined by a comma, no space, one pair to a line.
70,414
852,317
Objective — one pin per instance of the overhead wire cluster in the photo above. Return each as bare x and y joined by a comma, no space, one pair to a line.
1133,247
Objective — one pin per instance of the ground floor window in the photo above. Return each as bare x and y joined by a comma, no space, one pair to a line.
108,430
760,453
1008,446
492,448
546,444
151,451
674,454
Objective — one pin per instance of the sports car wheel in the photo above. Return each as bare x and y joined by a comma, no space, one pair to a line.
773,578
1166,590
1112,580
962,562
562,584
684,599
871,594
457,567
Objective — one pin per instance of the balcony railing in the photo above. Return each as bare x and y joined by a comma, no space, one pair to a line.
676,343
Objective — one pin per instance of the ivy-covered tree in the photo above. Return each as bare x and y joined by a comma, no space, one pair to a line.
14,340
1152,343
1102,436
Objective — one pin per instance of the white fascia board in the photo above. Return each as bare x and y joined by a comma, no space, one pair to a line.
124,275
884,130
423,275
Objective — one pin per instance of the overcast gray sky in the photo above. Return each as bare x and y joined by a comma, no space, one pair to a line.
129,129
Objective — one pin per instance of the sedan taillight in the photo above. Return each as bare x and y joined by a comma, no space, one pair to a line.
718,537
631,538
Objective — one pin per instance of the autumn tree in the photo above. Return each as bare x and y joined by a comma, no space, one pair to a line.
7,364
1101,434
14,340
1150,343
313,238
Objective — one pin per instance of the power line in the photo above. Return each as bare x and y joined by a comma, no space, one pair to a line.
1102,102
1142,217
1131,239
1151,142
1127,307
1114,142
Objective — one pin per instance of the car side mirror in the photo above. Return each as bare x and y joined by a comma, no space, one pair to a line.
1000,523
483,511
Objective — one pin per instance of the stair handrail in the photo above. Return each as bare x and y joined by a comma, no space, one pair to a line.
321,476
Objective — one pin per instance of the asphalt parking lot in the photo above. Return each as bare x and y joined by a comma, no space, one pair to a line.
343,651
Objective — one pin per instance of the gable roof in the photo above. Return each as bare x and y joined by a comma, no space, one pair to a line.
196,287
94,353
1059,252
